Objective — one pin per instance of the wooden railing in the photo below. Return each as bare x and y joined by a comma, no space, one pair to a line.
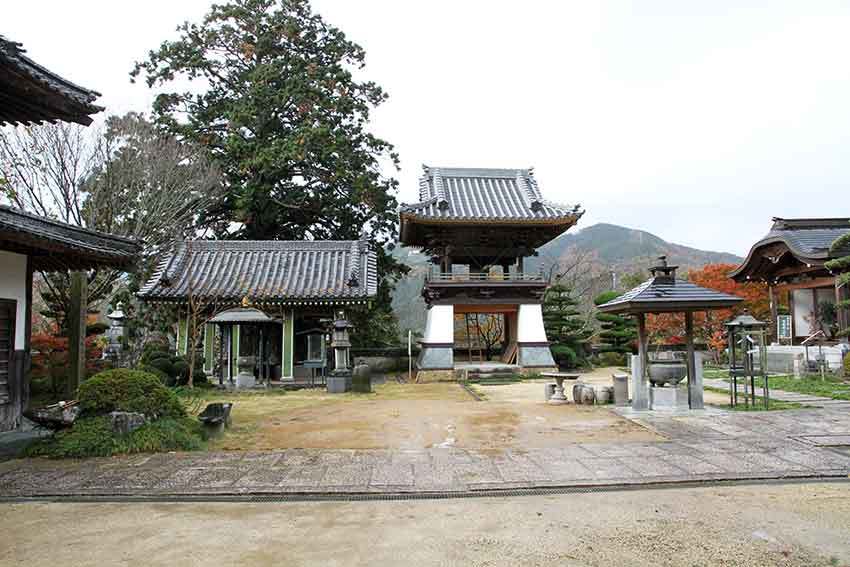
482,277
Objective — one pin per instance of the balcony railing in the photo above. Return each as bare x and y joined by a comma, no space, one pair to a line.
444,277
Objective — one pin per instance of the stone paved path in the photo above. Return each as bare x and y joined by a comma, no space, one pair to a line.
782,395
731,445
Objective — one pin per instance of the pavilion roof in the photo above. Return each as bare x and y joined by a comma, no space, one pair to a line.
55,245
461,195
807,240
664,293
266,271
30,93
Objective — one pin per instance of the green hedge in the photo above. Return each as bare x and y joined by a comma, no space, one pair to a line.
93,437
128,390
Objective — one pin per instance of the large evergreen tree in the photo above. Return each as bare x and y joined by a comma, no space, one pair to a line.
618,333
566,329
273,97
841,266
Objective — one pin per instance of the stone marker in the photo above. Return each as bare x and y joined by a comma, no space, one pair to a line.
621,389
125,422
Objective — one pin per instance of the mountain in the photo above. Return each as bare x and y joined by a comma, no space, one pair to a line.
603,247
627,250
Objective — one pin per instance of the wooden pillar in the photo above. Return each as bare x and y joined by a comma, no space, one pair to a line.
182,335
27,362
287,359
76,321
695,397
774,313
209,342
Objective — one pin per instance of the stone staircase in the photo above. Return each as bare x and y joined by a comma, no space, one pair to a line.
493,374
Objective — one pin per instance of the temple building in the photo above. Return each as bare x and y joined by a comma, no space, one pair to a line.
790,259
31,94
478,226
267,302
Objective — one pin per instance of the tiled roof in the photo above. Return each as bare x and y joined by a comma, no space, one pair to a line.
464,194
266,271
55,245
809,240
664,293
34,94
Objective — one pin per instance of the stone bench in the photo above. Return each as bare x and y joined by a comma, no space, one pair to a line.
216,417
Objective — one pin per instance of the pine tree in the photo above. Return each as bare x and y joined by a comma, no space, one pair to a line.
565,327
279,102
618,332
841,266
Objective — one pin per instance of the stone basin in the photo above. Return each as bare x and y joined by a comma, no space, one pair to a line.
664,372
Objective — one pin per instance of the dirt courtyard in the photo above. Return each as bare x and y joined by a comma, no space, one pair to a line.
418,416
796,525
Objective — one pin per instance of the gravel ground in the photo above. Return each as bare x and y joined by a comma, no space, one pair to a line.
787,525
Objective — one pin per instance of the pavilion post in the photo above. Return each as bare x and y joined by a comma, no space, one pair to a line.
841,294
695,396
774,313
76,321
640,391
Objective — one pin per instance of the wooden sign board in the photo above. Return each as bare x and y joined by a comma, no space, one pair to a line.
783,327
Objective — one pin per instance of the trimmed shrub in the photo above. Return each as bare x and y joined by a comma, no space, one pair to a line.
565,357
163,377
93,437
165,366
847,364
181,370
612,359
128,390
89,437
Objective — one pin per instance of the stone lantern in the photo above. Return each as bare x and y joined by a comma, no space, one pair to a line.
747,356
115,334
340,377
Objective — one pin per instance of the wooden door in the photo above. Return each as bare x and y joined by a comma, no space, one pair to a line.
7,346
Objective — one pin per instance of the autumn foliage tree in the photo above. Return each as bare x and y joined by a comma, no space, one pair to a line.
669,328
50,353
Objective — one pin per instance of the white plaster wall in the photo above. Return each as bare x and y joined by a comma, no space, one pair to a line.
834,355
13,285
440,324
804,307
530,324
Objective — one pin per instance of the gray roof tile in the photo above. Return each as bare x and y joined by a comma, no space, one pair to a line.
665,293
461,194
809,240
56,245
35,94
272,271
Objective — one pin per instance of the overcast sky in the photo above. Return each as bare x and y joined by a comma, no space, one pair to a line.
697,121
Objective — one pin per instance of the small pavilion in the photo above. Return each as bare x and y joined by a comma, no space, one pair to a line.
478,226
266,300
664,293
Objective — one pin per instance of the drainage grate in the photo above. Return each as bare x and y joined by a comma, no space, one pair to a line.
401,496
837,440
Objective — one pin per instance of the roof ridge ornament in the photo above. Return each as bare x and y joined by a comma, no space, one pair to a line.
531,197
662,272
439,190
355,252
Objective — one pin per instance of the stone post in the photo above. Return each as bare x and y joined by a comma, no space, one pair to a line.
695,388
640,389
